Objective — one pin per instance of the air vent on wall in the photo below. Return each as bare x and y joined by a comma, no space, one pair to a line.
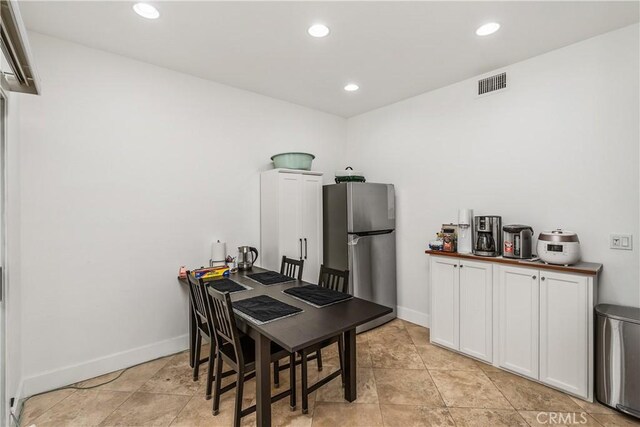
492,84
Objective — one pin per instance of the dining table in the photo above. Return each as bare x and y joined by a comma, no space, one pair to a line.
310,326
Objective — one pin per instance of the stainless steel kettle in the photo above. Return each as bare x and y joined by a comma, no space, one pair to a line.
244,263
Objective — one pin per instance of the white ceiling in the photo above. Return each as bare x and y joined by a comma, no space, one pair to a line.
393,50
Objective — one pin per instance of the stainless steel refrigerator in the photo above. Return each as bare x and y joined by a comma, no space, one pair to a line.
359,222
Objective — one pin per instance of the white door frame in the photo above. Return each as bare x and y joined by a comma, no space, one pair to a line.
4,410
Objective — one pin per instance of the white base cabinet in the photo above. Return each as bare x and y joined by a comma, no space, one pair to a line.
462,318
534,322
291,219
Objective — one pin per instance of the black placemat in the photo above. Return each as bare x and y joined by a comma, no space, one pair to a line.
317,295
270,278
227,285
263,309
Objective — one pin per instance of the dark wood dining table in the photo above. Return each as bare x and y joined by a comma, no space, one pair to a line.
311,326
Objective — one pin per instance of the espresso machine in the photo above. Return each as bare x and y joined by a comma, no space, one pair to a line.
487,235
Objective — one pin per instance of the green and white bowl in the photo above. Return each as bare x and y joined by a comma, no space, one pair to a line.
301,161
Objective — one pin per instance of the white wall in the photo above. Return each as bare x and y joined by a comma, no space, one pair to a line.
127,172
559,148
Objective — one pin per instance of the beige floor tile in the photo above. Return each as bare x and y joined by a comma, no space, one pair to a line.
385,355
406,387
616,420
593,407
419,334
390,336
347,414
176,377
147,409
199,412
468,389
363,354
487,367
415,416
334,392
559,419
82,408
435,357
527,395
38,405
131,380
473,417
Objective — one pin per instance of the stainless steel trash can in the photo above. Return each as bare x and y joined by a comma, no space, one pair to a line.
618,357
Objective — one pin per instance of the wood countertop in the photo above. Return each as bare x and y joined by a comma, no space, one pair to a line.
588,268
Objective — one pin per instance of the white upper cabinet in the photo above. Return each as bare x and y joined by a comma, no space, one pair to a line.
444,297
564,333
518,304
476,312
291,219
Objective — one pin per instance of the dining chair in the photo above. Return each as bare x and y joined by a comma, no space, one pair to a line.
202,328
338,281
292,267
238,351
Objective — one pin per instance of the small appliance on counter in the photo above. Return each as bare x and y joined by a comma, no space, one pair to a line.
518,241
244,261
559,246
487,235
449,237
465,231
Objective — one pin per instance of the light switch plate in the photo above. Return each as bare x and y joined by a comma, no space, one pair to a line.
621,241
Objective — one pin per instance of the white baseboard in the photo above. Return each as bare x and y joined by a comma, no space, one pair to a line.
413,316
53,379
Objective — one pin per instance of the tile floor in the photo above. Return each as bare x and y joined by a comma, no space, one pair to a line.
402,381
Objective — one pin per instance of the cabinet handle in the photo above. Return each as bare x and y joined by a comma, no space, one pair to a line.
461,265
455,265
300,248
305,248
534,277
542,278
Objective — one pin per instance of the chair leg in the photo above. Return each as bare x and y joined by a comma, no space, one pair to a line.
276,373
218,385
319,359
210,367
292,381
196,358
238,407
305,391
341,357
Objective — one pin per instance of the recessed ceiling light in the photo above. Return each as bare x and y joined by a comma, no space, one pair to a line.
146,10
351,87
318,30
487,29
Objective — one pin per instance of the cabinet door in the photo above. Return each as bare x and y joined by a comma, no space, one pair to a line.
518,320
311,226
289,216
476,312
564,340
444,302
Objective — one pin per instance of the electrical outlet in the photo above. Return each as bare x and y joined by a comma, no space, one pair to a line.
621,241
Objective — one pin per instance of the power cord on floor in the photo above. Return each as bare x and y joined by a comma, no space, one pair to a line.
18,420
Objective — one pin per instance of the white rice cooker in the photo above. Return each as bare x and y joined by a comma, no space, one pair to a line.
559,247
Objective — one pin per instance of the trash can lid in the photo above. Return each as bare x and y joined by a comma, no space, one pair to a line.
619,312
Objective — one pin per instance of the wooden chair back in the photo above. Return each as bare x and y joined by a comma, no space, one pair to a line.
222,321
334,279
197,301
292,267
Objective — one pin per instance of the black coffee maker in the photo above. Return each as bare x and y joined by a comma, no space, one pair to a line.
487,235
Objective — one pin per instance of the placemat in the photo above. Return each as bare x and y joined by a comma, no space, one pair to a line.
270,278
263,309
227,285
316,295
